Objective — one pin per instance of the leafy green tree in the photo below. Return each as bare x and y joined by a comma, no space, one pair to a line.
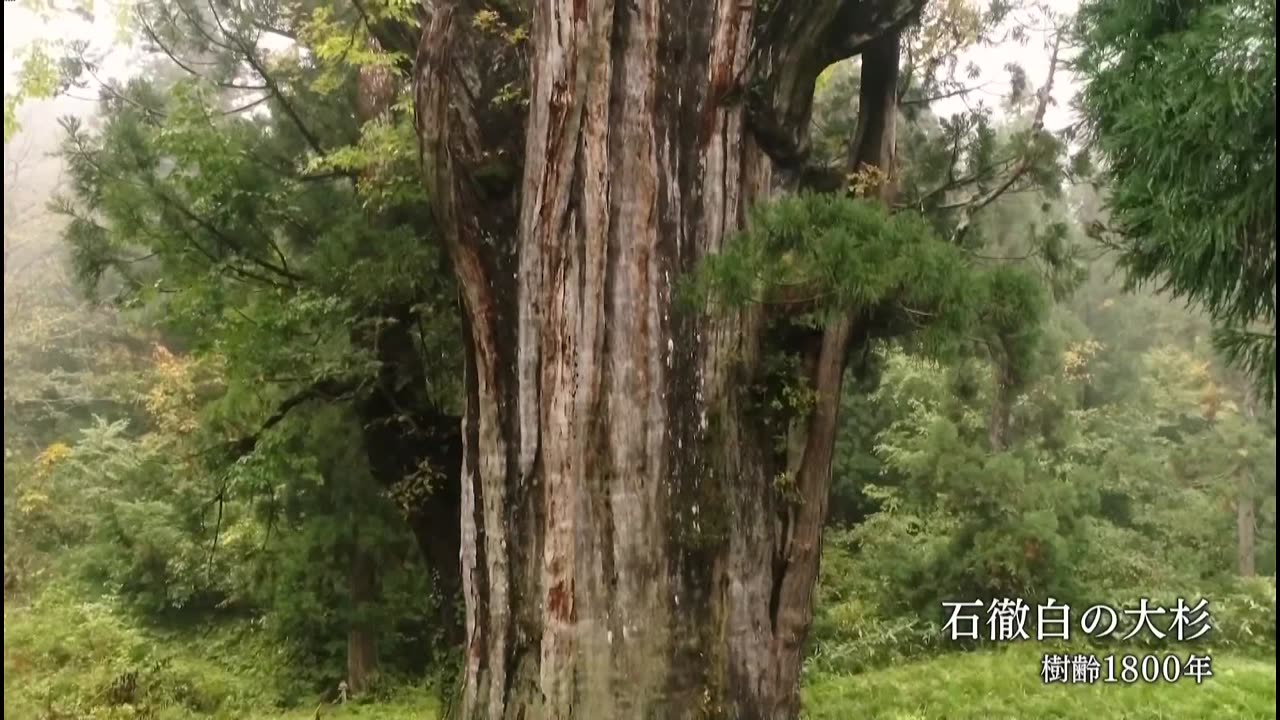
261,206
1185,128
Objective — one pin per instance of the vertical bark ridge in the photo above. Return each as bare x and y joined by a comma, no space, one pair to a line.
469,142
634,608
472,528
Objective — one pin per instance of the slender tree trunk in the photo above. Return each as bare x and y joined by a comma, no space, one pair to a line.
1002,396
624,551
1246,506
362,652
407,438
1245,529
408,441
800,540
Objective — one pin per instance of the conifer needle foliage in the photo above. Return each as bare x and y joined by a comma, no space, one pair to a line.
830,253
1180,99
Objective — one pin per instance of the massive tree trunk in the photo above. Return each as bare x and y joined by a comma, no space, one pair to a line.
625,551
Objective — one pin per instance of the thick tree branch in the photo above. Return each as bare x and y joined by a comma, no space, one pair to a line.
794,45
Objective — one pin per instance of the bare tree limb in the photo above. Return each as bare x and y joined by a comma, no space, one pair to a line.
943,96
1044,96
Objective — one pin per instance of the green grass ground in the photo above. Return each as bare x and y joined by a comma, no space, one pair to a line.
1006,685
64,659
412,705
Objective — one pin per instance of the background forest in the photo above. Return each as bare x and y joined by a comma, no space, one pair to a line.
233,380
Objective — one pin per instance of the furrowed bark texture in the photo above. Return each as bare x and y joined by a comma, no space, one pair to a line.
622,542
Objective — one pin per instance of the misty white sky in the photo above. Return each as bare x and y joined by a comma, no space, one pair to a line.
22,26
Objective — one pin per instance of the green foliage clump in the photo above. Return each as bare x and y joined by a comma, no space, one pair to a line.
99,499
65,657
137,517
68,657
956,520
1242,616
839,252
852,630
826,254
